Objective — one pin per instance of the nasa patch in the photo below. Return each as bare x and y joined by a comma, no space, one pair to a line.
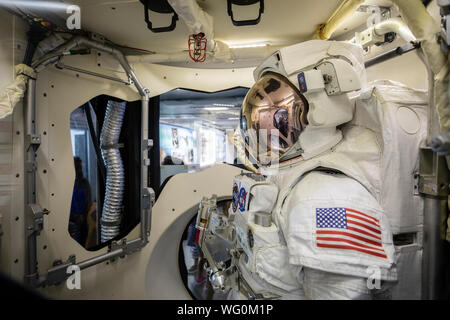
302,82
235,200
242,199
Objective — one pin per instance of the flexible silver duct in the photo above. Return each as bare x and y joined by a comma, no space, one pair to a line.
115,177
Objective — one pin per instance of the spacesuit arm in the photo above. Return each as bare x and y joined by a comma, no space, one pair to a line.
322,285
340,236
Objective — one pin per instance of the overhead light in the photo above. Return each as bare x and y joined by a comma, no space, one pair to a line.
236,118
247,45
216,108
49,5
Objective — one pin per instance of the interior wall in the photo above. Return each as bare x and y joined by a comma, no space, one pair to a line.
407,69
12,50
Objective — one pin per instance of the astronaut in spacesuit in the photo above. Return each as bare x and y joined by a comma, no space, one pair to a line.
314,228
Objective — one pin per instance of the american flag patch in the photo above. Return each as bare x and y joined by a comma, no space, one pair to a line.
348,229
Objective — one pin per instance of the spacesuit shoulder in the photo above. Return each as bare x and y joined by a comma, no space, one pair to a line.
334,224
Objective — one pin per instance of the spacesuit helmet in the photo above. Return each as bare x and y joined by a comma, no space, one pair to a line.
298,100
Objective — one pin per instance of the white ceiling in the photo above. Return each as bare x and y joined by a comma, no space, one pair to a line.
283,22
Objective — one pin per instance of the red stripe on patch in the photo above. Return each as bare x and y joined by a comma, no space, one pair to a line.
366,215
350,235
363,225
333,246
349,242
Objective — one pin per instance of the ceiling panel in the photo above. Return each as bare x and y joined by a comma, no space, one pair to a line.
283,22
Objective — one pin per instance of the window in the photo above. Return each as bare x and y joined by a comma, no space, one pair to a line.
196,129
90,224
83,218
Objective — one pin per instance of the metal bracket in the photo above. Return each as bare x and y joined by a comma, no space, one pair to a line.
35,219
146,199
146,146
97,37
152,196
433,174
130,80
149,143
58,273
32,140
385,12
127,247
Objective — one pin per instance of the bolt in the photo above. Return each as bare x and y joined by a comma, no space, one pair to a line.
327,78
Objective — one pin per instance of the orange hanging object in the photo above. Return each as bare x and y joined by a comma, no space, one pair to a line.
197,47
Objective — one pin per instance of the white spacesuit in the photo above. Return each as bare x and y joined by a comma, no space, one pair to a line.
315,227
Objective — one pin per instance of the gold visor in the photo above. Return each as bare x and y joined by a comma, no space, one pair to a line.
272,117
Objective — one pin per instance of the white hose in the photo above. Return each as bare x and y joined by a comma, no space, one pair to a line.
14,92
196,19
395,25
